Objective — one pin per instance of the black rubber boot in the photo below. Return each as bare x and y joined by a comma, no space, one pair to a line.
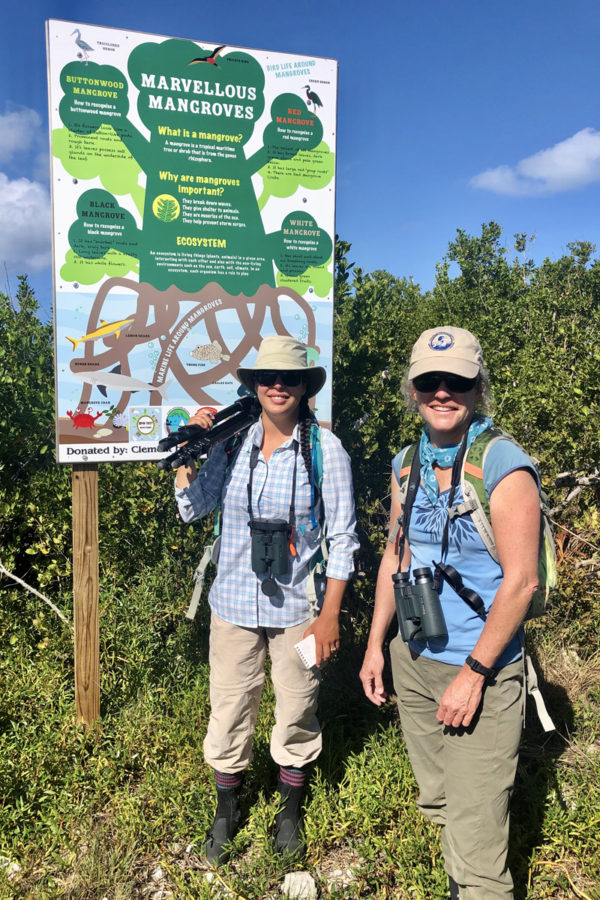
288,831
454,894
215,848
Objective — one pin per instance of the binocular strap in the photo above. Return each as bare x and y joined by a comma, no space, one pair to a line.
253,463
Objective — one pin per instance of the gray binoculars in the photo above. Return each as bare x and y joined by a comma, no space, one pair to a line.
418,606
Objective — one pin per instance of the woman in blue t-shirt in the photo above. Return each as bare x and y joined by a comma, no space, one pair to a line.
460,694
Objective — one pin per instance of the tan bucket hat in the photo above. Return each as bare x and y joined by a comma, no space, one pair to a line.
446,349
280,353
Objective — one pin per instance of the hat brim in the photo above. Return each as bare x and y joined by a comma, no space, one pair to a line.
314,377
454,366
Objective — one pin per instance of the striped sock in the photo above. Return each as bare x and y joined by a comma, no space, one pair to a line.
291,776
228,782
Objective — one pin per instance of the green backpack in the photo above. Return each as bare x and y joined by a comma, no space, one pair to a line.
476,502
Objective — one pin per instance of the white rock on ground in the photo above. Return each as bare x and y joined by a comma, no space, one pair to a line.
299,886
10,868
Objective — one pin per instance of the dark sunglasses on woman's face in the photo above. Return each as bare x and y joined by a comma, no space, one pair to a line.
431,381
268,379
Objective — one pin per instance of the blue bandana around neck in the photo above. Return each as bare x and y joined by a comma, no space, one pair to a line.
444,456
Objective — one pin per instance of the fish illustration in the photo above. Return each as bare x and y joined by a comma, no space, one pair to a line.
105,329
212,352
114,381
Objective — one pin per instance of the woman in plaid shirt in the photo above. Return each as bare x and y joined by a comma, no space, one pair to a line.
254,610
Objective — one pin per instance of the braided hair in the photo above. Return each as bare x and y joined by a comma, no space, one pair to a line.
306,418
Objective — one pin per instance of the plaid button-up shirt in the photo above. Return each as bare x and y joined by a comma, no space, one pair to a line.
236,594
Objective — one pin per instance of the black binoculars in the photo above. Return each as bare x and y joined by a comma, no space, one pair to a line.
270,539
418,606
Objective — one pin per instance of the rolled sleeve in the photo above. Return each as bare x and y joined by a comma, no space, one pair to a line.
201,496
338,502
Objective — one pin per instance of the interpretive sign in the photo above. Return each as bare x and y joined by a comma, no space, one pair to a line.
193,204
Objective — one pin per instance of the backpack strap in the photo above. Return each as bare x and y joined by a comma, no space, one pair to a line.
533,689
475,499
404,470
318,563
316,483
317,571
210,555
402,473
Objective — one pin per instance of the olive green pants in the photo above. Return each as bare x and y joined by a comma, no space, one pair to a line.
465,775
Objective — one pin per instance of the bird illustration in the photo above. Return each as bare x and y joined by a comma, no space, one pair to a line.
312,98
83,46
211,58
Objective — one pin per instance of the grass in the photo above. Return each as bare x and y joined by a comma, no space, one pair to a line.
119,811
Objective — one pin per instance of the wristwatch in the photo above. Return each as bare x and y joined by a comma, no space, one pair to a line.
479,667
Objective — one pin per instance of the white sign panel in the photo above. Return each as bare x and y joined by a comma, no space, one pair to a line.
193,194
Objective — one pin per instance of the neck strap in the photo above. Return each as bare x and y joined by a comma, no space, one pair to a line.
411,492
456,470
253,463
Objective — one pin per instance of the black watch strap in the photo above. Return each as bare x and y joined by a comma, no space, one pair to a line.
479,667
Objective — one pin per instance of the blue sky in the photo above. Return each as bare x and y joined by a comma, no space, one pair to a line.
450,115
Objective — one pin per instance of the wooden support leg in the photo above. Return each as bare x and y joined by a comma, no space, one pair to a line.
85,591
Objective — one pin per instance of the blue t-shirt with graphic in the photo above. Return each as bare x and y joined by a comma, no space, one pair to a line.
467,553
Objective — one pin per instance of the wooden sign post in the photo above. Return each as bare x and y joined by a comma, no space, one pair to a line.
85,591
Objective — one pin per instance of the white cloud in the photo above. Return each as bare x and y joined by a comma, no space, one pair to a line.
40,169
568,165
20,130
25,244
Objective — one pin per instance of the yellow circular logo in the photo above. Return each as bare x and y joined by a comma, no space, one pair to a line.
166,208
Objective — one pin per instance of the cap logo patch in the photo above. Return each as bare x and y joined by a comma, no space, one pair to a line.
441,340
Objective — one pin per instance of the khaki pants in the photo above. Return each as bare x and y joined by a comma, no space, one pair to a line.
237,660
465,776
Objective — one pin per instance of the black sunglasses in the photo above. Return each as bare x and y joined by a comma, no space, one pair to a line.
268,379
431,381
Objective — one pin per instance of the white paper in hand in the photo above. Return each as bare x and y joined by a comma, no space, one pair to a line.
307,651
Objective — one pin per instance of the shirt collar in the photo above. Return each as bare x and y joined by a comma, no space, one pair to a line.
257,433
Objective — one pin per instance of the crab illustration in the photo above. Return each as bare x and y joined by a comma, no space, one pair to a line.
83,420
